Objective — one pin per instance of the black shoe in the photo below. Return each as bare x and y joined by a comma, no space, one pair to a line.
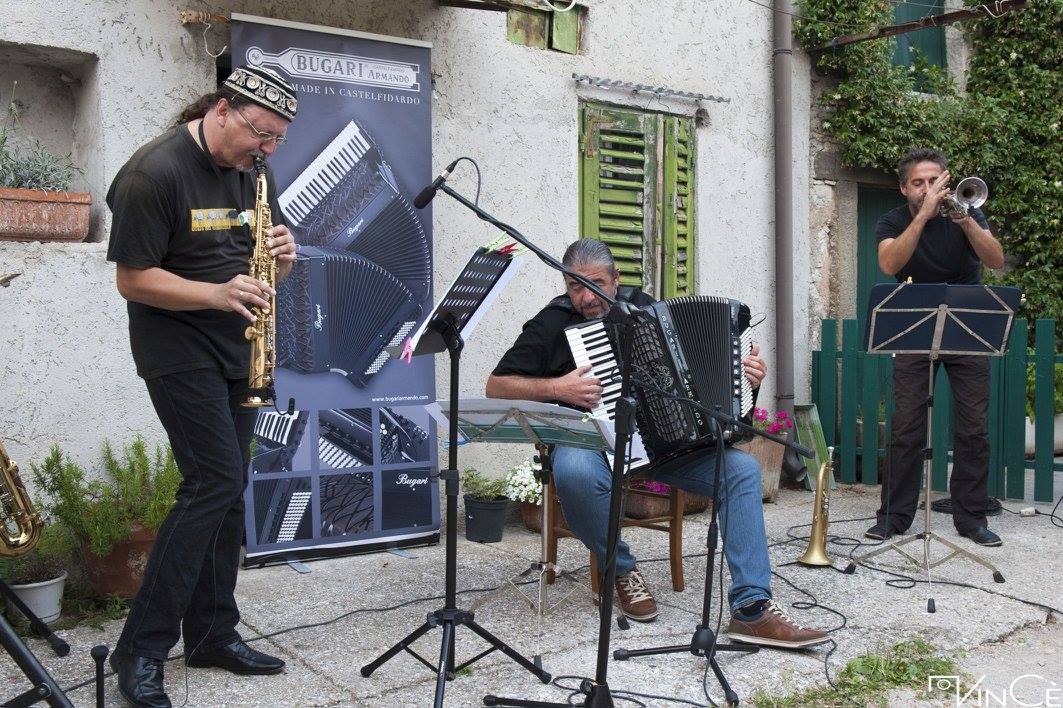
140,680
983,536
237,658
880,531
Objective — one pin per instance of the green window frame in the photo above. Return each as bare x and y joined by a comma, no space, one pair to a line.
929,41
637,194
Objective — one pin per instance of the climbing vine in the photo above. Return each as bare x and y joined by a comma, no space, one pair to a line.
1004,127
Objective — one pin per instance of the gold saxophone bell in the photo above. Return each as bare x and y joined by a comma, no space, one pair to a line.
816,553
20,523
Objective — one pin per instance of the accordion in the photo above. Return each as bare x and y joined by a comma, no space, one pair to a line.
339,312
401,440
345,438
347,199
276,437
683,348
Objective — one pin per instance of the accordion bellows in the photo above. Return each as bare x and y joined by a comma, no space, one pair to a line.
364,265
337,311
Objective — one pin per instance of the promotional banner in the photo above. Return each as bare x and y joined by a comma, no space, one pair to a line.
347,470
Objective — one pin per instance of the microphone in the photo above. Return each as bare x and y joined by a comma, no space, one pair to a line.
428,193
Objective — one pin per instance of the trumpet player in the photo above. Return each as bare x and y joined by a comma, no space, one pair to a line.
182,254
917,241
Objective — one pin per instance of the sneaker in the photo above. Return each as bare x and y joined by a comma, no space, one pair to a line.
774,629
636,601
880,531
982,536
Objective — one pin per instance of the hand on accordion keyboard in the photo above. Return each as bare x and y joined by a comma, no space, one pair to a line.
578,389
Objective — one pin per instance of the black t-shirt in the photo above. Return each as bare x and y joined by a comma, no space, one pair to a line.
943,255
171,211
541,350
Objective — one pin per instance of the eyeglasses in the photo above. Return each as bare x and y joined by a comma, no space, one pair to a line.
260,135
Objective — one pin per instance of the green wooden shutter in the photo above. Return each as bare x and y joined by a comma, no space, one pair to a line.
618,187
677,209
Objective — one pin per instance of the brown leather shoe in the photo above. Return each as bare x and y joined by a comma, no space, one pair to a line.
774,629
636,600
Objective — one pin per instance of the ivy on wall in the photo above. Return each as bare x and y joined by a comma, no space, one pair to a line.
1004,128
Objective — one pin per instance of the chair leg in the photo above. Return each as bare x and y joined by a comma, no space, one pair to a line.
675,540
596,576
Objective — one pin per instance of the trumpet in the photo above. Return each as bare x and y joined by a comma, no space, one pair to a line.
816,553
970,193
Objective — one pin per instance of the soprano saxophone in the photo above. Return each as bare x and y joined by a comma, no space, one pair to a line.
20,523
263,333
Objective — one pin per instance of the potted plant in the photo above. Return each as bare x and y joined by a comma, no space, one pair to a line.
38,577
35,201
524,487
485,506
114,517
767,452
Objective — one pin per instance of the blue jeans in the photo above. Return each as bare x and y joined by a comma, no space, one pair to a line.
584,480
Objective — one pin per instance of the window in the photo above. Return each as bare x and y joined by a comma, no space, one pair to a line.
929,41
637,194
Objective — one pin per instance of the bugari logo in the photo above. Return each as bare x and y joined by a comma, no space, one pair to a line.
331,66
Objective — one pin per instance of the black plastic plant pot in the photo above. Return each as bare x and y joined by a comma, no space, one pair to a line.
484,520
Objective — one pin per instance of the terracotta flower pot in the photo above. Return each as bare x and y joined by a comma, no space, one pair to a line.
121,571
35,215
532,516
769,454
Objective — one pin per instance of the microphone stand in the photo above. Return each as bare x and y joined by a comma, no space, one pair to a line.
621,315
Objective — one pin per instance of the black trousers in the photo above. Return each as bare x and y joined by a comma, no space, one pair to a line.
191,571
969,378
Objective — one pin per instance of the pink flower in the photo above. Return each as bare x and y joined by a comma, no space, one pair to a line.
775,428
760,414
781,415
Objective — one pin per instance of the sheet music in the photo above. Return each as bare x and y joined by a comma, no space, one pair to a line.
572,427
485,304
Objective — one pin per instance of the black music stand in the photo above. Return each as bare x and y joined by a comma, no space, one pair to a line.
44,686
457,313
935,319
620,316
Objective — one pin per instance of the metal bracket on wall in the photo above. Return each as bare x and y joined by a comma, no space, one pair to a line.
659,91
207,19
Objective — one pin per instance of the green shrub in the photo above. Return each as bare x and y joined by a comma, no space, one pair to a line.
480,486
48,559
136,487
32,166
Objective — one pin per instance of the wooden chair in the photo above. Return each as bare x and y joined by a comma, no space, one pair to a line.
670,523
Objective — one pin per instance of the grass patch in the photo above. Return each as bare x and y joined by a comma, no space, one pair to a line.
868,679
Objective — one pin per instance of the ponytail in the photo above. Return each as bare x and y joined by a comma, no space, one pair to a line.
202,105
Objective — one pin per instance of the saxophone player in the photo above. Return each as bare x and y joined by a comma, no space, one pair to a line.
182,252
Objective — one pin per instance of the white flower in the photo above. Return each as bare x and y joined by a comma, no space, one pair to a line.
1013,56
837,97
522,485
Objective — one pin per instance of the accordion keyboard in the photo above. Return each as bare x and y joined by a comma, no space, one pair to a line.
590,345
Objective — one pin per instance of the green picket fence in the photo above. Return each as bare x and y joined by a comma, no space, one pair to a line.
854,390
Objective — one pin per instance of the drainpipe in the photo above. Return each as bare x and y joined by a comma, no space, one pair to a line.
782,62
